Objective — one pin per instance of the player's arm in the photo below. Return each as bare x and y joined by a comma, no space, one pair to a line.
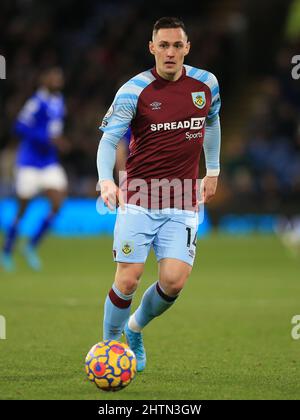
56,131
212,146
114,126
26,123
106,159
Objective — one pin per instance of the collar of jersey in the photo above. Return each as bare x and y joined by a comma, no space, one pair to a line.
158,77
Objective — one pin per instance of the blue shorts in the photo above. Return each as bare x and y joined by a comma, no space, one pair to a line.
172,233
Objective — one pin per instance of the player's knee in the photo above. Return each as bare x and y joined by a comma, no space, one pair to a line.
22,209
129,270
56,205
174,289
173,283
126,285
127,277
57,199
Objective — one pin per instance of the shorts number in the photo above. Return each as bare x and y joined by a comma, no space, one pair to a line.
189,235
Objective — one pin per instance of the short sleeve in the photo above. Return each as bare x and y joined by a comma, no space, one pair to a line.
121,112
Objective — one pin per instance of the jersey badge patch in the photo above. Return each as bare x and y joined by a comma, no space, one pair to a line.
199,99
127,248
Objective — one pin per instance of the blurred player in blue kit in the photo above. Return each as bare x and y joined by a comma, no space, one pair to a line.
39,126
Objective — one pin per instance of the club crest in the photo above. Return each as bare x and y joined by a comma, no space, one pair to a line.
127,247
199,99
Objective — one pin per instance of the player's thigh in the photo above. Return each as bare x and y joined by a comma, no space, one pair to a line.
133,235
28,182
177,238
53,177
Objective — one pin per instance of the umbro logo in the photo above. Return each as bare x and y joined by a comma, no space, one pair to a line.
155,105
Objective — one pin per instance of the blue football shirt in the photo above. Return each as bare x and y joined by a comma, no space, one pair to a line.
40,120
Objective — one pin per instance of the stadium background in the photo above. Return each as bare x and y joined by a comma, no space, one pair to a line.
100,44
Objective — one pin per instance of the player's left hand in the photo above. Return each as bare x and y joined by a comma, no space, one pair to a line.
208,188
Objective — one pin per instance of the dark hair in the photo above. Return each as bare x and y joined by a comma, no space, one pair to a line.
168,22
45,70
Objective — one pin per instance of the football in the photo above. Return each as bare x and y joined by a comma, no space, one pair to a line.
111,365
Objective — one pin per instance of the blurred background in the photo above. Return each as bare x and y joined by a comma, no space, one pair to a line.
229,336
247,44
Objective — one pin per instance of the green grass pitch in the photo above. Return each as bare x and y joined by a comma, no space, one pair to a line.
227,337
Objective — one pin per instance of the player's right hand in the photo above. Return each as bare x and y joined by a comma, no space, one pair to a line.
208,188
111,194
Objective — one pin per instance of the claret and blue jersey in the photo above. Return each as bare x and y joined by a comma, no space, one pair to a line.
168,121
39,121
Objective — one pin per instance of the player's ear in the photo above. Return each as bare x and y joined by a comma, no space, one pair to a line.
151,47
187,48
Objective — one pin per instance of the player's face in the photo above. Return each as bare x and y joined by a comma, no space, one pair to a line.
54,80
169,47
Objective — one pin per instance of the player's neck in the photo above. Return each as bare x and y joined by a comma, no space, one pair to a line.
48,92
170,77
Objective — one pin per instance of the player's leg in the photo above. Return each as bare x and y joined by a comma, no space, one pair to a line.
158,298
162,294
174,246
27,186
12,232
133,235
12,235
54,184
118,301
29,251
56,199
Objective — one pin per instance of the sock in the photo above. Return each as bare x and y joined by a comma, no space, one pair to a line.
46,223
10,238
116,313
153,304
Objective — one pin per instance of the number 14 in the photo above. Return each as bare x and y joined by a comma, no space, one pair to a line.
189,235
